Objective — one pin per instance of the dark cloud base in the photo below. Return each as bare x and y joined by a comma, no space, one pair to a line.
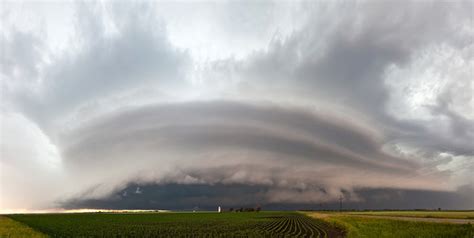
208,197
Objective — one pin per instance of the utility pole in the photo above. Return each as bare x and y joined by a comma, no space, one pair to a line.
340,203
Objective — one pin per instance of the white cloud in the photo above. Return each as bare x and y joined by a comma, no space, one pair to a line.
30,165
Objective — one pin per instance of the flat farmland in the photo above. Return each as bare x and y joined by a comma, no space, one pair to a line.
237,224
371,224
10,228
244,224
421,214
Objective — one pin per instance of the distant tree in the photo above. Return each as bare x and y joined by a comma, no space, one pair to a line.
231,209
258,208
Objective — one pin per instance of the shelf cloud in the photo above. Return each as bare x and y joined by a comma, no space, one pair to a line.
235,143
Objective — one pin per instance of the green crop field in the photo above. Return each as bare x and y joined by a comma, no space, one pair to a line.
368,227
236,224
425,214
243,224
297,225
13,229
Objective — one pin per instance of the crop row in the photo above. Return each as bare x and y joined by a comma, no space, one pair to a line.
295,226
263,224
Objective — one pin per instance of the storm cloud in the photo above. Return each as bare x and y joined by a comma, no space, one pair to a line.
289,104
235,143
205,197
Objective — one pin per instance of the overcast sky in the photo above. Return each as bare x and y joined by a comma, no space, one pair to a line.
169,105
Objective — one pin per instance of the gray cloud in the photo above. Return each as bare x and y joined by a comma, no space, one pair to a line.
235,143
20,55
344,61
121,47
189,197
219,124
